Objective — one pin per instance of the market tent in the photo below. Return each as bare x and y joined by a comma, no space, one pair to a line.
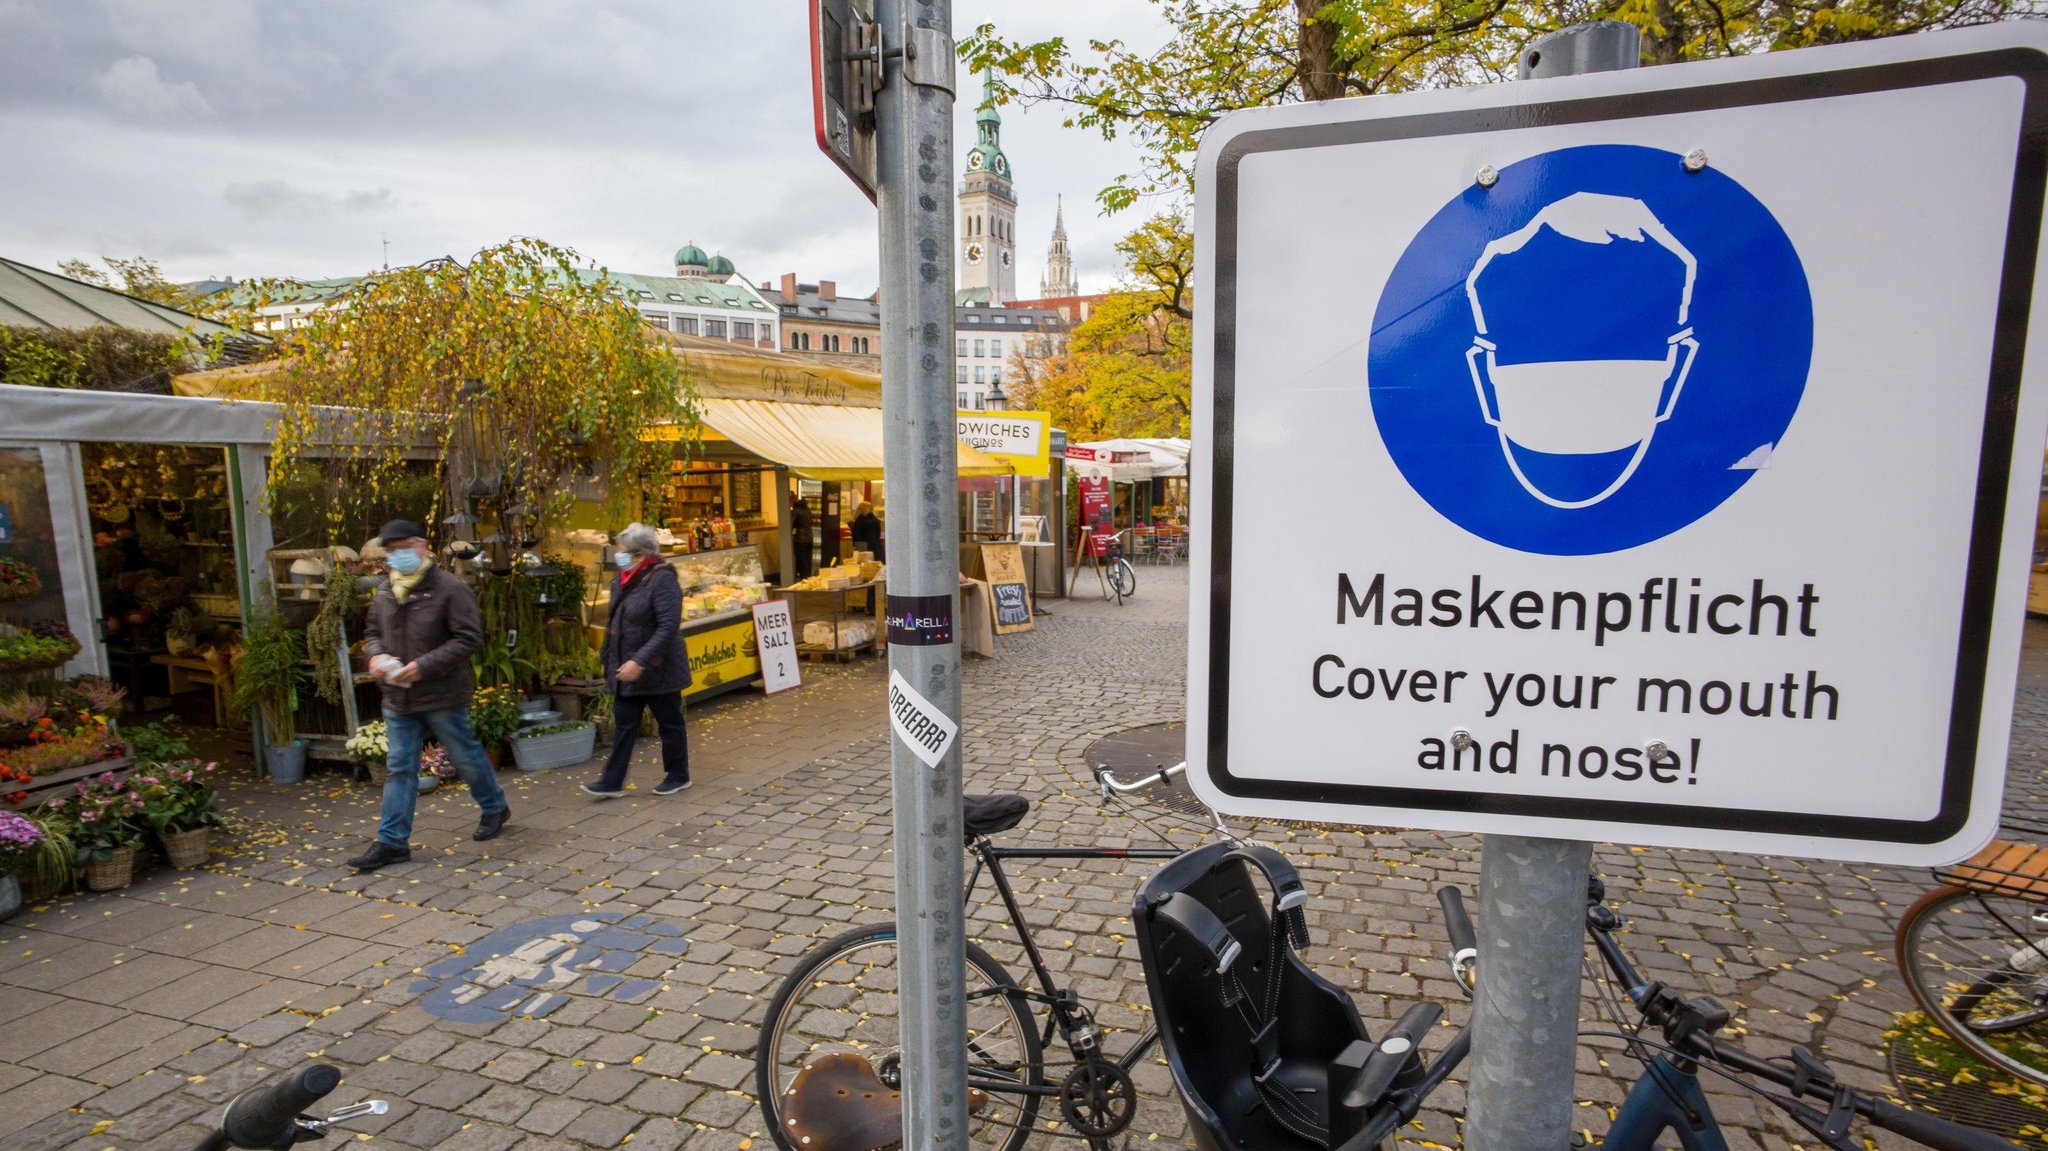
820,441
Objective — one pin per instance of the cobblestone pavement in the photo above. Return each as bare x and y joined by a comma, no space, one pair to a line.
638,939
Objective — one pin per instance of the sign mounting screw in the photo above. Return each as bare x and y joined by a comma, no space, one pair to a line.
1696,160
1488,176
1658,751
1460,738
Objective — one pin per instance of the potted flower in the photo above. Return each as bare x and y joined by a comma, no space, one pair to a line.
494,715
267,678
104,816
435,766
179,801
369,747
549,745
20,843
18,580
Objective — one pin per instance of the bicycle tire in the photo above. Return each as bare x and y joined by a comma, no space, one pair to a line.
1124,579
863,1001
1957,955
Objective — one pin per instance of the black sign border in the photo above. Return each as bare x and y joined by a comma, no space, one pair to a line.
2015,298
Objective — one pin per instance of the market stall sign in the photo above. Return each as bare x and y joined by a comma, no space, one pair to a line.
1009,595
1108,455
775,639
1023,438
720,655
1691,463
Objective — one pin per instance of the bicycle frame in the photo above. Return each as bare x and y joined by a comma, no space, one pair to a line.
1067,1015
1666,1097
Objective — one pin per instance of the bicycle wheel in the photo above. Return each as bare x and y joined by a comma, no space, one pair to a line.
842,997
1977,964
1123,579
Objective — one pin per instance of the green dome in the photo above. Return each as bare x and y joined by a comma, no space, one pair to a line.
691,254
720,266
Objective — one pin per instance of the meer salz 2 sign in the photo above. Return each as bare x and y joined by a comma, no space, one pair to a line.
1686,420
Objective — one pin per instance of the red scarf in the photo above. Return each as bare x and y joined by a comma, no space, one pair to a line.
626,576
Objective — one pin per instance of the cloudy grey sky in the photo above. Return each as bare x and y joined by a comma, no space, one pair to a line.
244,137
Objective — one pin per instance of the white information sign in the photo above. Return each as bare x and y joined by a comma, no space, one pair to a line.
918,722
1650,456
1025,438
775,636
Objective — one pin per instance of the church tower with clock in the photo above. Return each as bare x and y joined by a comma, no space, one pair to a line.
988,211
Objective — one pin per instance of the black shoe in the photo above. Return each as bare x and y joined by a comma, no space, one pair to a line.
380,855
602,792
671,786
490,825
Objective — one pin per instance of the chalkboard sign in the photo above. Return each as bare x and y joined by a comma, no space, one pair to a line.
1009,596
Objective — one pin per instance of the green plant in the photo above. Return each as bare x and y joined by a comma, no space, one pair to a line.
342,598
268,674
566,587
579,664
18,580
552,729
494,715
153,743
599,708
30,651
20,842
52,863
179,797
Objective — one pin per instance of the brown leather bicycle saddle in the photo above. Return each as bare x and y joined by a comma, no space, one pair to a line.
838,1103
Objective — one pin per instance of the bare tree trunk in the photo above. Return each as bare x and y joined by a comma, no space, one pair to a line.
1322,74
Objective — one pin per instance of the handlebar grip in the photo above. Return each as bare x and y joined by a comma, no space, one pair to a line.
1941,1134
1459,924
262,1117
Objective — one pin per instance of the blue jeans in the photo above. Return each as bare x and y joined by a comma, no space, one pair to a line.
403,737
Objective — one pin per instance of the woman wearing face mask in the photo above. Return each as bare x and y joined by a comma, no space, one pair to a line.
645,667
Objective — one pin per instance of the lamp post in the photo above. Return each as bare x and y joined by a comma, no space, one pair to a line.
997,399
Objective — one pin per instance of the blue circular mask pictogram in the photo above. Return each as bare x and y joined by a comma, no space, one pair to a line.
1593,353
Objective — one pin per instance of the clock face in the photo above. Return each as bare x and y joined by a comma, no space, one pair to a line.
974,253
974,160
1006,257
1002,166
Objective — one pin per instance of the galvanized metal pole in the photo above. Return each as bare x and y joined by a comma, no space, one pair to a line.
1532,892
914,161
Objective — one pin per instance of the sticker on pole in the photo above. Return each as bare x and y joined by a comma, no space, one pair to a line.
918,722
1675,474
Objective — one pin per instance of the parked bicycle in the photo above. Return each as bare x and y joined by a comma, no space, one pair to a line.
270,1115
1123,578
1667,1096
1974,952
831,1031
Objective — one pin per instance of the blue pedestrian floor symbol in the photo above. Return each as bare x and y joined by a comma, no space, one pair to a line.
532,968
1593,353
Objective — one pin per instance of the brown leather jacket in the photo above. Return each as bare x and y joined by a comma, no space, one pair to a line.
438,627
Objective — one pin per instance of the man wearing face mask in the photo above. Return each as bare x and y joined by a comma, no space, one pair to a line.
423,627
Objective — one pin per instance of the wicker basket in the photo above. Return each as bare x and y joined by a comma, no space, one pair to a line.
561,749
188,849
111,874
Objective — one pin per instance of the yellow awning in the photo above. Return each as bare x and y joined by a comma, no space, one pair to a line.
820,441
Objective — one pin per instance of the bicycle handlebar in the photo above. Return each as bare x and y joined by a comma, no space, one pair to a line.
1108,782
266,1116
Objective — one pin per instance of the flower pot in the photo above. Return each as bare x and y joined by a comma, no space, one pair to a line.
569,703
429,783
188,849
10,896
111,874
497,757
533,706
561,749
376,770
287,764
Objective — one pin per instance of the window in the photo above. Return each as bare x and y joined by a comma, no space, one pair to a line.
995,348
832,343
963,376
963,395
675,297
977,349
980,374
715,329
979,402
963,348
687,325
999,319
742,329
860,344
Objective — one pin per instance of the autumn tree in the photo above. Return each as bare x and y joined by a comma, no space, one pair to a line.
1223,55
139,277
1124,371
518,369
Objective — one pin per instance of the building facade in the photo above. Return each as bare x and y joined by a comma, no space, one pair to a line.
1059,263
817,320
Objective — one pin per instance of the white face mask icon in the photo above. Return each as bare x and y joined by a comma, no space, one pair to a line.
1581,407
